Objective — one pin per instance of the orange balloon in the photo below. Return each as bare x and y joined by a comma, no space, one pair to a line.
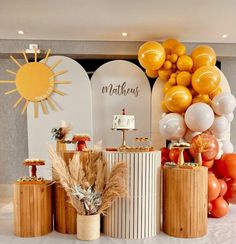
203,55
151,55
178,49
178,99
205,79
217,91
184,78
164,74
185,63
151,73
219,207
213,188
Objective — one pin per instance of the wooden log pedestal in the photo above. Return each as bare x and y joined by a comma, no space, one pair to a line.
185,201
32,208
138,215
65,215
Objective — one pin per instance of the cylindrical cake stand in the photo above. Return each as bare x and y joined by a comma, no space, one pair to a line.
185,201
137,216
32,208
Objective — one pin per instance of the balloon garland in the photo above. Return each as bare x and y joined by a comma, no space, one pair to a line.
197,111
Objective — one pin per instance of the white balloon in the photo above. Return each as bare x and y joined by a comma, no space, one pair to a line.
227,147
172,126
220,144
220,125
223,103
220,136
190,134
229,117
219,154
199,117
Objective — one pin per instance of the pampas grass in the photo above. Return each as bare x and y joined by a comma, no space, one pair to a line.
84,179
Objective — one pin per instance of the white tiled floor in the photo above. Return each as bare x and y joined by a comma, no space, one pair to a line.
220,231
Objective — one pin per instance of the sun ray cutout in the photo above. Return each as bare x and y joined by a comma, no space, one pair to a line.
35,83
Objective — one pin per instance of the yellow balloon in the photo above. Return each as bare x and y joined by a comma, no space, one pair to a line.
205,79
201,98
215,92
178,49
166,87
203,55
151,73
169,43
151,55
164,74
163,106
172,58
173,75
185,63
183,78
172,81
167,64
178,99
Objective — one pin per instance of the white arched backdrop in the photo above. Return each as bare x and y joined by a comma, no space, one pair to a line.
116,85
76,108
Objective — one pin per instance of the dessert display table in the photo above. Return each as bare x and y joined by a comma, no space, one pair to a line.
185,201
32,203
138,216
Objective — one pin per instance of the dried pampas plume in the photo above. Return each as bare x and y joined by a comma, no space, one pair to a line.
84,180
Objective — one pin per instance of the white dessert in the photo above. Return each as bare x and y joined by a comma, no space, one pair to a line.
121,121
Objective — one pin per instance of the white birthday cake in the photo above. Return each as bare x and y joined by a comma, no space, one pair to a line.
123,121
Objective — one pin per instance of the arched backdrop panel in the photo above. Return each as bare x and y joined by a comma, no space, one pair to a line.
76,107
116,85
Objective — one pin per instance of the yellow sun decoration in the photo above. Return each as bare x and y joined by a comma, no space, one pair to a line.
35,82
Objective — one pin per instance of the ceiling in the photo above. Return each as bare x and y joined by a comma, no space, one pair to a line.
105,20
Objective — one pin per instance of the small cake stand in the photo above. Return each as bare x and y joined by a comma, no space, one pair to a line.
123,145
34,165
181,154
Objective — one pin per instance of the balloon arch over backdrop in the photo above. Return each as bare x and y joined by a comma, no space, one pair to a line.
196,109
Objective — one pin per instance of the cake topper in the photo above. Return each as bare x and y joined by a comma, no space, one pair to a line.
123,111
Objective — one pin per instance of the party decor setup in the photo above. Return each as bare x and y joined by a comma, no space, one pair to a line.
138,160
197,108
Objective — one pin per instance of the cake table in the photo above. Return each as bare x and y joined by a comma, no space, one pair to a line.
137,216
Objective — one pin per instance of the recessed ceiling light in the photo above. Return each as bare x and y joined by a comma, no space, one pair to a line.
20,32
124,34
224,36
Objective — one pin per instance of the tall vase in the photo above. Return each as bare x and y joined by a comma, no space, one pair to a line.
88,227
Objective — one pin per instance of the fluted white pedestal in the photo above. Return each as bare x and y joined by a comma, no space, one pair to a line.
138,216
